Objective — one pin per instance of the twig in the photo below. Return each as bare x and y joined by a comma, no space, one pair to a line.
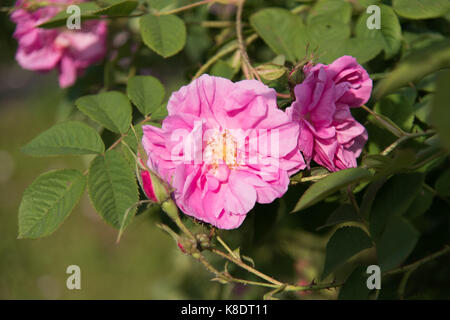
399,141
187,7
246,66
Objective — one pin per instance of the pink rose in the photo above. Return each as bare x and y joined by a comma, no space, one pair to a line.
223,147
70,51
329,134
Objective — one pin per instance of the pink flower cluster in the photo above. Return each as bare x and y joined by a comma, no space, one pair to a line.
225,146
69,51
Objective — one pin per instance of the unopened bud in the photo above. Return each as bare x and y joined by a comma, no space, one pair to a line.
153,187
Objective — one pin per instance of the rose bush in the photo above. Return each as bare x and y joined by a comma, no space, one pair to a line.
304,107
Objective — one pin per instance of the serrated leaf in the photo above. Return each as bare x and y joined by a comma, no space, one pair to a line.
389,34
111,109
48,201
396,243
344,244
344,213
329,185
66,138
283,31
112,187
146,92
166,34
355,287
421,9
393,199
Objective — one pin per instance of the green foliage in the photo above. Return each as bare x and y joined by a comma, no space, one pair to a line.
66,138
146,92
355,287
440,114
421,9
166,35
329,185
283,31
112,188
389,34
111,109
48,201
344,244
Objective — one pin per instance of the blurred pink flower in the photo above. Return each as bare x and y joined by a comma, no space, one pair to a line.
223,147
329,134
70,51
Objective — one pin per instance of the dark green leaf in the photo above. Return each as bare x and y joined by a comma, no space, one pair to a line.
440,112
355,287
344,244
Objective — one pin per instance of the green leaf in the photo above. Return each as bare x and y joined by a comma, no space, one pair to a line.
146,92
340,10
394,199
344,244
422,109
166,34
443,184
440,112
87,10
396,243
222,69
390,33
344,213
421,204
421,9
329,185
111,109
415,66
113,8
66,138
397,108
160,113
361,48
112,187
271,71
355,287
48,201
283,31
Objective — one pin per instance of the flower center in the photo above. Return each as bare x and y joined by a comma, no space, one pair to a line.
221,148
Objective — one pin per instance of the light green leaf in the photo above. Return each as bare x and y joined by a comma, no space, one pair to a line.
329,185
421,9
415,66
361,48
271,71
146,92
66,138
160,113
113,8
112,187
440,112
355,287
344,244
283,31
396,243
394,199
48,201
87,10
111,109
166,34
389,34
222,69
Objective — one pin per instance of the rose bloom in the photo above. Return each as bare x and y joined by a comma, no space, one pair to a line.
69,51
329,134
223,147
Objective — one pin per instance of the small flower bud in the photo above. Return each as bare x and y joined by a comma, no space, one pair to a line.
153,187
